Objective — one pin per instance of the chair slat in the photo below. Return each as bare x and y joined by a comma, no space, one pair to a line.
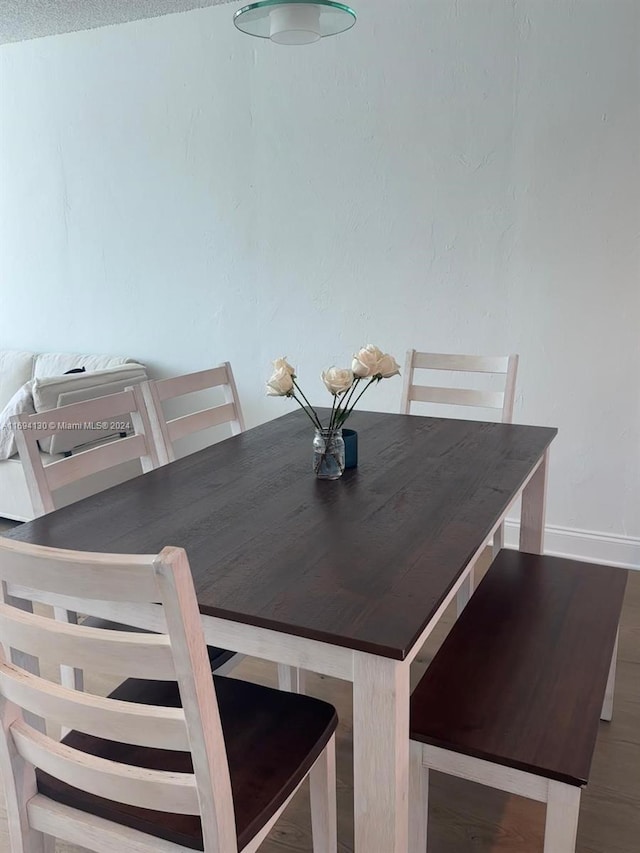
127,722
136,786
109,577
110,652
95,833
85,463
456,396
178,386
462,363
188,424
73,415
149,617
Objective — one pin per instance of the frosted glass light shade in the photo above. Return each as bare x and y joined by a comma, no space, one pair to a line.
294,21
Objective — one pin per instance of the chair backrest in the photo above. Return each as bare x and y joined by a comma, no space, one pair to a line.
167,431
44,480
505,366
179,655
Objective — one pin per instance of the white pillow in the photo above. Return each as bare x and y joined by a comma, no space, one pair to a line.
47,390
16,368
57,363
20,404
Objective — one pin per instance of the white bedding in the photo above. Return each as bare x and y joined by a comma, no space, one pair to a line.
21,403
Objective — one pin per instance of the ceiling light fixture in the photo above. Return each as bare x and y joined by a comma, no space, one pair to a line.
294,21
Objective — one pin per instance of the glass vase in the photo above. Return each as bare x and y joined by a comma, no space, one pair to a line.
328,454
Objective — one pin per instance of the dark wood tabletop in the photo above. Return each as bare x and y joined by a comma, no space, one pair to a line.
362,562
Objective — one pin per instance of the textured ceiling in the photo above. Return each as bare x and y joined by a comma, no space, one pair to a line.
28,19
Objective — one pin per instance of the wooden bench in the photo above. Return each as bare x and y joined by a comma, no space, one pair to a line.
514,696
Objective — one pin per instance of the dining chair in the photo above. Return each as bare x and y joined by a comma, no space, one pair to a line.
45,481
504,366
166,431
502,400
174,759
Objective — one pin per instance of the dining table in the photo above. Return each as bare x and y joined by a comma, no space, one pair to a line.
346,577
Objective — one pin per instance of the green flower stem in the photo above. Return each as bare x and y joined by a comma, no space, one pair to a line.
347,413
299,389
328,450
333,409
339,420
315,421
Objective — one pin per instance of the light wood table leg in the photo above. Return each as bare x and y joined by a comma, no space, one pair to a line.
322,786
534,500
380,754
561,825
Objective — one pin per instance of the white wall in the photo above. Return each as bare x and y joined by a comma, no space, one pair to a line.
455,176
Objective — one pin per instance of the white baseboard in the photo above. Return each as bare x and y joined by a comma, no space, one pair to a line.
623,551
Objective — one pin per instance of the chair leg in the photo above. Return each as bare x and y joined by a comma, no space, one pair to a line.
607,706
28,662
466,591
19,786
418,799
69,677
498,541
32,842
561,826
291,679
230,665
322,787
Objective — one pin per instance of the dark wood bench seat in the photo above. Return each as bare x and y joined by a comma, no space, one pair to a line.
521,679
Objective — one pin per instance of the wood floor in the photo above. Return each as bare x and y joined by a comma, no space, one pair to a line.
467,818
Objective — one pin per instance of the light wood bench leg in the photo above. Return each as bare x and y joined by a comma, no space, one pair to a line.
561,826
607,707
322,784
418,799
291,679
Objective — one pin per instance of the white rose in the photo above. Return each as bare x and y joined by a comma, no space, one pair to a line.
282,363
280,384
365,362
388,366
337,379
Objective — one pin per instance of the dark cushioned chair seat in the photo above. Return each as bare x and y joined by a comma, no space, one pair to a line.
272,739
